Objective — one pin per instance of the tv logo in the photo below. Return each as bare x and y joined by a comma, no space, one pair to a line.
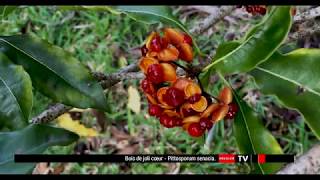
243,158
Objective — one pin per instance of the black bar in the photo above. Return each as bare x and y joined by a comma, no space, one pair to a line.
28,158
275,158
280,158
254,158
163,2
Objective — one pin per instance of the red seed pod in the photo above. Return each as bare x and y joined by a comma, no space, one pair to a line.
144,50
174,97
155,44
195,98
195,130
147,86
164,42
189,112
205,123
178,122
233,109
167,121
155,110
249,9
187,39
155,73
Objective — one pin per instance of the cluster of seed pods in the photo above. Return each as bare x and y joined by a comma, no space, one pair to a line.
262,9
255,9
178,101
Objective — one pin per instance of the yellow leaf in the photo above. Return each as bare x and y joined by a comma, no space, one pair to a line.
134,100
65,121
79,110
122,62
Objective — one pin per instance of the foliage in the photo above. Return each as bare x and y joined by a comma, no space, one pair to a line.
33,62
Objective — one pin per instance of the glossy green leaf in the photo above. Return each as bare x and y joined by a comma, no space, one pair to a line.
259,46
253,138
284,74
15,95
33,139
54,72
5,10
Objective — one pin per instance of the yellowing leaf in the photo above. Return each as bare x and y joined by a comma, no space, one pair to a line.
79,110
65,121
123,62
134,100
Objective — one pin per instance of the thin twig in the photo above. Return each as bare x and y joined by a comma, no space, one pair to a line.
106,81
52,113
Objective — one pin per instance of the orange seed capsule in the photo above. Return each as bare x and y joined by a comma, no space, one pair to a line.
181,83
220,113
186,110
174,36
169,72
160,94
150,38
151,99
201,105
152,54
145,62
192,89
171,113
209,110
186,126
186,53
168,54
191,119
225,95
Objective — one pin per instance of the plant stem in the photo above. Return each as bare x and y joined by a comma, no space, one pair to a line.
182,67
207,95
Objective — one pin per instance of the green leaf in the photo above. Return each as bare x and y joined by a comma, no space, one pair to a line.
33,139
283,74
253,138
16,95
54,72
225,48
260,45
5,10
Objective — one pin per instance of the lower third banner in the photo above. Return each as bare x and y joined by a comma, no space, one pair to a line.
217,158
